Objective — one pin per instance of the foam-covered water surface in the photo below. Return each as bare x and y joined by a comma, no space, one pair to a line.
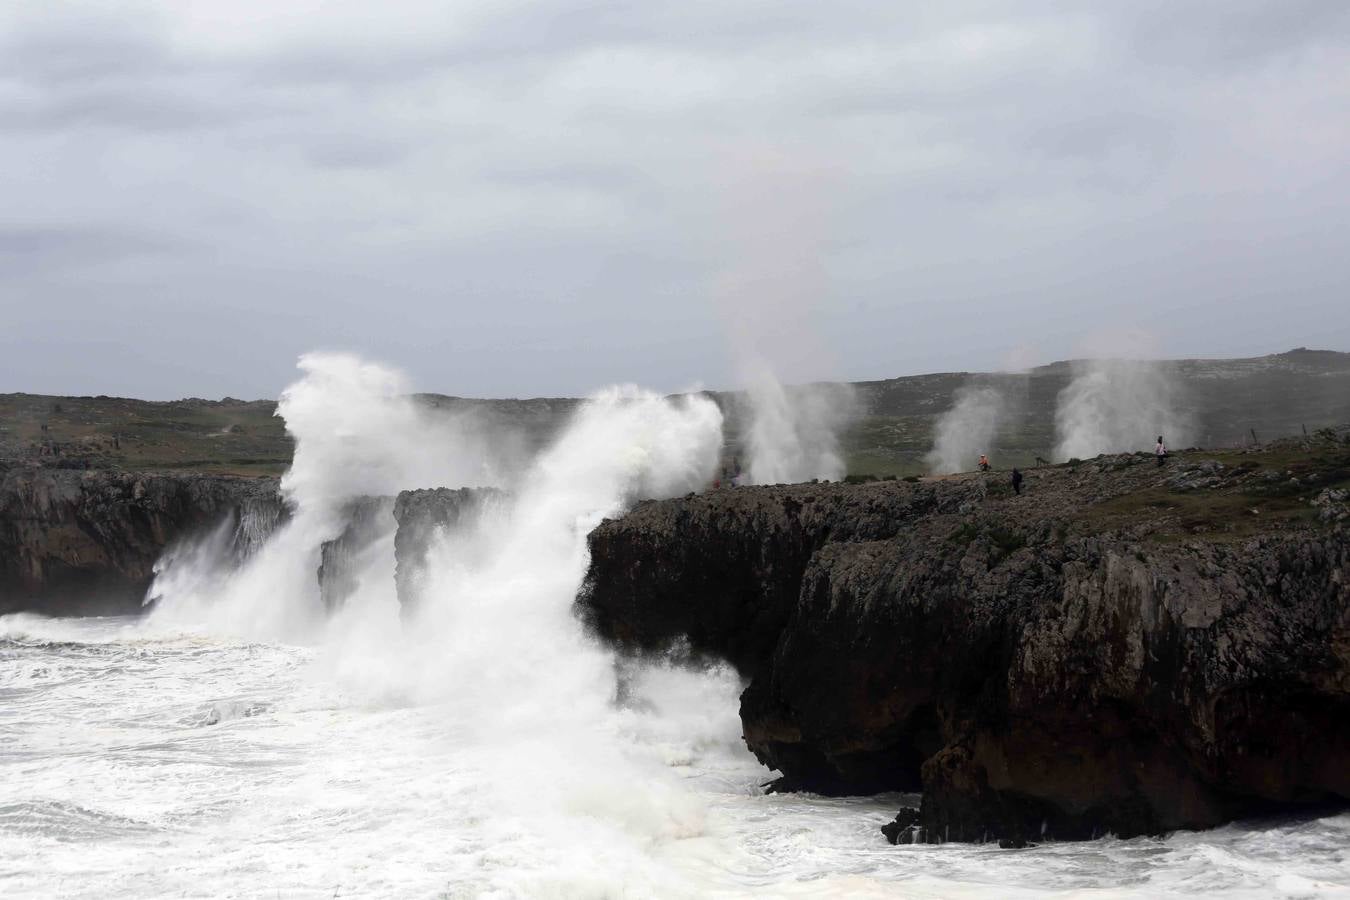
470,740
143,764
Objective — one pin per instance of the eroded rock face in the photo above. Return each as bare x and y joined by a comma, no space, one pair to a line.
85,542
423,516
369,520
1060,664
256,517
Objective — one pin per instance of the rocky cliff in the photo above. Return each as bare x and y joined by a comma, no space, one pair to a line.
1119,649
368,521
423,516
82,542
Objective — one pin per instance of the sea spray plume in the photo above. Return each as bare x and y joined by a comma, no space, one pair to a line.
567,793
495,642
627,443
792,433
357,433
966,430
622,445
773,232
195,568
1118,405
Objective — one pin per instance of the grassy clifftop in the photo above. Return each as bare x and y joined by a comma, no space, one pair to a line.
1225,399
221,436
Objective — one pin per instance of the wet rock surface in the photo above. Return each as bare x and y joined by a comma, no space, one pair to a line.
423,516
85,542
1116,650
368,520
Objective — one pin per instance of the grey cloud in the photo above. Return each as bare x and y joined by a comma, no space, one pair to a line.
64,50
135,108
115,73
1091,134
1234,35
26,249
353,151
581,175
534,198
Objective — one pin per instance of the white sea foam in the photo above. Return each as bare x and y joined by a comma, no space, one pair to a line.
237,743
357,432
113,785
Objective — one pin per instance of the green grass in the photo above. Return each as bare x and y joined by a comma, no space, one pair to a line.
1237,512
1277,395
224,437
879,464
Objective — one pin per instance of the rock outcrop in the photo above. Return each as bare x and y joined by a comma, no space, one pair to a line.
1113,651
84,542
369,519
422,517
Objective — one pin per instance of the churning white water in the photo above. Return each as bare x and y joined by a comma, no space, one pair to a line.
143,764
237,742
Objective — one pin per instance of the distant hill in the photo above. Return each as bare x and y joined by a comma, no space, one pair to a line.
1226,400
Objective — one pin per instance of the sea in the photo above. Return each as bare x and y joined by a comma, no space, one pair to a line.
139,762
470,739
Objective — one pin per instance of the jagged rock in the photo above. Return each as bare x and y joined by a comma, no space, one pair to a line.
422,516
75,542
1039,665
1200,476
1331,505
903,829
368,519
256,517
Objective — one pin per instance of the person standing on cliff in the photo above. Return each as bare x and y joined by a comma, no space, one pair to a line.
984,463
1017,482
1160,451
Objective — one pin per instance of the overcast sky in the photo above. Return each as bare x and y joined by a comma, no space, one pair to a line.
507,198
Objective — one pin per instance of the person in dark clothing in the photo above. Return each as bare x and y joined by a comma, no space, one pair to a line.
1017,482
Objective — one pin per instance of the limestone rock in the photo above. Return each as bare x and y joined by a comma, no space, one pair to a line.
76,541
1062,664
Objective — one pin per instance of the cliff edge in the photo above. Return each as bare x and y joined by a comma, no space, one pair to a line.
1121,648
85,542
